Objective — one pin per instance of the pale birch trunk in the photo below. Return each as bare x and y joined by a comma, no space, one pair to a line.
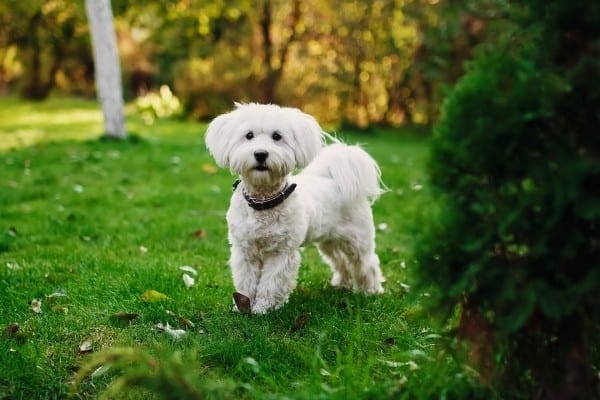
107,66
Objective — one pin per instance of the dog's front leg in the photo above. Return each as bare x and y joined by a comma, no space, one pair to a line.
245,273
276,282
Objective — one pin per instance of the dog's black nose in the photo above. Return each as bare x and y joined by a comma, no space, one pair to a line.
261,155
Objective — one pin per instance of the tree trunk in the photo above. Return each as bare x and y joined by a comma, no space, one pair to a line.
107,68
267,85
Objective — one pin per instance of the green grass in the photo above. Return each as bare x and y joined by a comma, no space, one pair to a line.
76,214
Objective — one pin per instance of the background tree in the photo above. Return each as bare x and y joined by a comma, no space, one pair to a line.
358,63
515,162
47,35
107,66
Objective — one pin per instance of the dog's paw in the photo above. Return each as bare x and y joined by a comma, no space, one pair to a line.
263,306
341,281
371,289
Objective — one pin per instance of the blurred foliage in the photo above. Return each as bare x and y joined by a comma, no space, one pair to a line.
355,62
515,161
158,104
51,44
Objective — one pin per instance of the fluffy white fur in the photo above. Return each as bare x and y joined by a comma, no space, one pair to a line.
330,207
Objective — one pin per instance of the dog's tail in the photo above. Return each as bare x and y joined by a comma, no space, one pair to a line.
354,171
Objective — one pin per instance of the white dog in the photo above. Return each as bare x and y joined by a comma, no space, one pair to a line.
272,213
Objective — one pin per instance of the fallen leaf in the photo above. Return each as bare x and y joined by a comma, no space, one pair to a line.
124,316
11,330
36,306
143,249
390,341
185,321
253,364
417,353
12,231
209,168
189,269
60,309
393,364
413,366
188,280
86,346
152,295
199,234
433,336
174,333
101,370
300,322
13,265
242,302
58,293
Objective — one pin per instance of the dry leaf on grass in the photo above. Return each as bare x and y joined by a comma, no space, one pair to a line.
242,302
59,293
390,341
152,295
124,316
187,268
209,168
36,306
182,320
199,234
188,281
11,330
176,334
300,322
13,266
86,346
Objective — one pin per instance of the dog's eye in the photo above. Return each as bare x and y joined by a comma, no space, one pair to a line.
250,135
276,136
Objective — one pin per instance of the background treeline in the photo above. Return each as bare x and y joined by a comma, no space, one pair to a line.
360,62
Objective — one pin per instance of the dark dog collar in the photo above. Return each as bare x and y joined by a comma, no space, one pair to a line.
270,202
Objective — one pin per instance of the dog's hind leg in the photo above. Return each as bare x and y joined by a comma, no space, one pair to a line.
368,276
364,266
337,261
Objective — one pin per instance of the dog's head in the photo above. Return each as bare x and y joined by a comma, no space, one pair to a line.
263,142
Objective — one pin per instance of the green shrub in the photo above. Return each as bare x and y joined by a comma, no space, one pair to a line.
515,162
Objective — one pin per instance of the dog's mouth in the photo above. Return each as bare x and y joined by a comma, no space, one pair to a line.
261,167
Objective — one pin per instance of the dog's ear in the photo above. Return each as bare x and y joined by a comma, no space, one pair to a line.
217,139
308,136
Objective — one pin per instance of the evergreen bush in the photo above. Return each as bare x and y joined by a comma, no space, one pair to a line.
515,161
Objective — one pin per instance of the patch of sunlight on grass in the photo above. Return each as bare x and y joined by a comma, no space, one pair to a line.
27,123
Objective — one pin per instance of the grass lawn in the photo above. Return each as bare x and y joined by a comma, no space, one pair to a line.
89,226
